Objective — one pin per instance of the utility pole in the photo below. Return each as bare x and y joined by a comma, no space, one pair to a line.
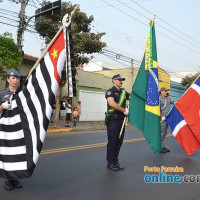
132,69
20,31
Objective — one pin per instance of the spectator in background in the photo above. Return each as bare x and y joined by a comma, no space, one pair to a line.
68,111
62,109
78,108
53,112
75,114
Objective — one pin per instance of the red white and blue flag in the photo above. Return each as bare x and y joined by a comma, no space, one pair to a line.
184,119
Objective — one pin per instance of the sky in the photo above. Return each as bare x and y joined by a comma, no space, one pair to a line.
126,24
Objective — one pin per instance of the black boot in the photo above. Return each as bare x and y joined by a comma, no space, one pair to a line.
8,185
16,184
167,150
163,150
112,167
119,166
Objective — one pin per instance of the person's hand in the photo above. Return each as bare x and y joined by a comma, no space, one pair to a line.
163,119
6,105
126,111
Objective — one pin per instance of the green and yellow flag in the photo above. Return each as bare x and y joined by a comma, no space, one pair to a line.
144,110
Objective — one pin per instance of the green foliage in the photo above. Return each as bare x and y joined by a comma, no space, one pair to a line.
10,56
85,42
188,80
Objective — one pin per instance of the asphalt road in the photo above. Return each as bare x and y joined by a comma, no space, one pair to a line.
72,166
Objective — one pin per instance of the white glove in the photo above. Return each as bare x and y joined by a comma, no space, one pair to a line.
126,112
163,119
6,105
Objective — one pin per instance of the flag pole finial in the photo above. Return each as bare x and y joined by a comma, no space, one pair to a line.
153,20
75,9
154,17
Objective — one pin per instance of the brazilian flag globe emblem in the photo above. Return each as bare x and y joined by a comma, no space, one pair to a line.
144,111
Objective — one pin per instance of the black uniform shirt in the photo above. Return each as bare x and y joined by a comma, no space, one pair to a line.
115,93
5,95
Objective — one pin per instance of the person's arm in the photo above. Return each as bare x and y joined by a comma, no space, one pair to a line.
4,105
128,95
114,105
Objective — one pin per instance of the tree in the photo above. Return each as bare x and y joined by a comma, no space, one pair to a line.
85,43
189,79
10,56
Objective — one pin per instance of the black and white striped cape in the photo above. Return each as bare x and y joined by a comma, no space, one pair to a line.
23,127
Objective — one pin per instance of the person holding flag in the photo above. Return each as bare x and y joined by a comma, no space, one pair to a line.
164,110
30,109
5,96
116,112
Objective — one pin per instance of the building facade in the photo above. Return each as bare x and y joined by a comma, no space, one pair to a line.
26,66
91,88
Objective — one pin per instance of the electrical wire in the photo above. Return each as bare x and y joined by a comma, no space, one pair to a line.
166,22
158,24
147,25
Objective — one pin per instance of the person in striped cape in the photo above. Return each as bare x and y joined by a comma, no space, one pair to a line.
5,97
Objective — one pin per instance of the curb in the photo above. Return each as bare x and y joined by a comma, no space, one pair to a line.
59,130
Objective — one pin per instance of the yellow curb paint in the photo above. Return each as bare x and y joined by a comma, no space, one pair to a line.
59,130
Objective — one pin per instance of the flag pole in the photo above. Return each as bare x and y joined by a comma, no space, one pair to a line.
122,127
50,44
120,134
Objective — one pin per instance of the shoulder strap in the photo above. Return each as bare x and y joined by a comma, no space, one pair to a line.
120,103
165,105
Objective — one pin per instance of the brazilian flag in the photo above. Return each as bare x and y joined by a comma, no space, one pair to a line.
144,110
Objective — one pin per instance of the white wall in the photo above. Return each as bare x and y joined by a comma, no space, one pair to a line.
93,105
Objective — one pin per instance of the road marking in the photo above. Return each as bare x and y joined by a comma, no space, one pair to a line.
87,146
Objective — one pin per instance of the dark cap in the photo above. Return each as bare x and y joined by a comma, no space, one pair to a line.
13,72
118,77
164,89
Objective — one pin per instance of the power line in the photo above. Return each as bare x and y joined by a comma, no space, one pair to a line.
124,39
124,12
39,2
9,18
147,25
113,55
165,22
96,7
159,25
34,4
8,24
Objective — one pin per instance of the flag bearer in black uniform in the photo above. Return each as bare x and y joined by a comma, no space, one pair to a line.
116,103
5,95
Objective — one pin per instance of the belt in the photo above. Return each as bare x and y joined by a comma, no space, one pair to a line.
116,116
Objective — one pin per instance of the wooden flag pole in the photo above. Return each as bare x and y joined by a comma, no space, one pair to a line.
122,126
50,44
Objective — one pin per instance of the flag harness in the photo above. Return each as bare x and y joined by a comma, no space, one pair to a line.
112,110
165,105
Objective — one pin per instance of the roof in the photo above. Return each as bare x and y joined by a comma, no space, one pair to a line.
30,58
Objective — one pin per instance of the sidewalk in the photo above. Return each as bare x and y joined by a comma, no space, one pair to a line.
81,126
